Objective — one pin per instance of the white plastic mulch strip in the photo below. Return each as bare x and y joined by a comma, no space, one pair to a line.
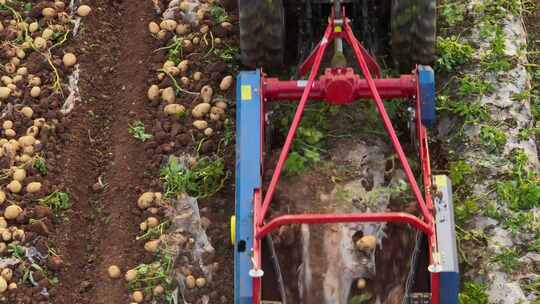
73,79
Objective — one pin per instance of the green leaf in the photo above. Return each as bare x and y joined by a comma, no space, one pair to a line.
295,163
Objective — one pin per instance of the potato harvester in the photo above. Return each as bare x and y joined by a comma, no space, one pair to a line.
339,85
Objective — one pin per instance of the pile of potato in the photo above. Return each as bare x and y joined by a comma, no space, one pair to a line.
209,107
30,72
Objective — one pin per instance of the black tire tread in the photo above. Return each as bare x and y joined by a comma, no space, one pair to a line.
413,35
262,32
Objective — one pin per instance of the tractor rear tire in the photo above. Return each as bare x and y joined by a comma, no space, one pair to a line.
262,33
414,30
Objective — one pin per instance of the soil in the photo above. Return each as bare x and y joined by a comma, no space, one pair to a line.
102,224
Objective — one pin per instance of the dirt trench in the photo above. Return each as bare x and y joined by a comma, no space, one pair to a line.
104,167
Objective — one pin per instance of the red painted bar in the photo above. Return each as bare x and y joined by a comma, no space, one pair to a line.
291,90
390,217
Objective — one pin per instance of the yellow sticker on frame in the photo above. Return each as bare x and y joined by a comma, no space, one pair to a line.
245,92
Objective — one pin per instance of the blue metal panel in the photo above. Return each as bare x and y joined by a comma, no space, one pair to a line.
426,79
449,282
446,241
248,178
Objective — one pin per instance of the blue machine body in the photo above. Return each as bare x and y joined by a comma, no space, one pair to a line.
446,241
426,79
248,178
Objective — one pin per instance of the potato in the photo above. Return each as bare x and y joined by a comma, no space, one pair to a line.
200,282
152,246
10,68
40,43
33,187
218,111
158,290
217,41
200,110
197,76
59,5
361,283
14,186
6,80
2,197
27,140
215,117
162,34
145,200
222,105
35,81
206,93
143,226
168,25
12,212
185,81
33,131
6,236
34,26
69,60
153,27
29,150
3,285
190,282
168,95
168,64
227,25
12,286
174,109
84,10
187,44
367,242
137,296
23,71
152,222
114,272
226,83
21,54
183,66
172,70
18,235
19,174
200,13
200,124
27,111
48,12
208,131
7,274
8,124
182,29
3,247
204,29
4,92
3,223
153,92
35,92
47,33
131,275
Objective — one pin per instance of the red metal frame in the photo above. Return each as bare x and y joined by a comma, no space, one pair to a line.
343,86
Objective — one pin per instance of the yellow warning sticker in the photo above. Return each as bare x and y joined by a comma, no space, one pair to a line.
441,181
337,29
245,92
